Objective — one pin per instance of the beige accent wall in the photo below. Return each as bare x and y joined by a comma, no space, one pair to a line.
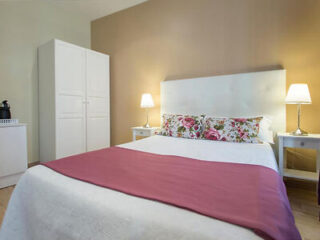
24,25
171,39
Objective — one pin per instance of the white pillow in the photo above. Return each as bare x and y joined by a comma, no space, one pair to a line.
265,132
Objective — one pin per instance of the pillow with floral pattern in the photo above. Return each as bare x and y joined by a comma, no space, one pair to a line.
232,129
184,126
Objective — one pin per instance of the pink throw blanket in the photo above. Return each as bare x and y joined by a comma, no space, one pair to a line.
247,195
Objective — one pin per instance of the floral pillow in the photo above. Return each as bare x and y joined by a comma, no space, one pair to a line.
184,126
232,129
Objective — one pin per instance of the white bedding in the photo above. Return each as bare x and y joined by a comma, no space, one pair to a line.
248,153
46,205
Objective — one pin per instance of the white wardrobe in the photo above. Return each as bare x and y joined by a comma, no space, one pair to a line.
73,100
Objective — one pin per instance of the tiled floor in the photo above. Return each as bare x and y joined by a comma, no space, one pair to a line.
306,212
5,194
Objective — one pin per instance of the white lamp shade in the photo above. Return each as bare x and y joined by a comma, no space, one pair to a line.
298,94
146,101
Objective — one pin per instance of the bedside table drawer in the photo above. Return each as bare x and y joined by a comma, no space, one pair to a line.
142,133
301,143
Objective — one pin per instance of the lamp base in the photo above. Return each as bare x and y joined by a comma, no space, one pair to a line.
299,132
146,125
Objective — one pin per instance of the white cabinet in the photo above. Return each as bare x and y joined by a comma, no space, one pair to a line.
73,100
13,154
98,101
70,81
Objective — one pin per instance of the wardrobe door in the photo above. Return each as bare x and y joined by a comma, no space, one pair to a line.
98,119
70,99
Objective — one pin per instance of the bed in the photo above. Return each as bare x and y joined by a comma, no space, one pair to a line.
48,205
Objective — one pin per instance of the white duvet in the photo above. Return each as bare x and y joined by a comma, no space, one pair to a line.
46,205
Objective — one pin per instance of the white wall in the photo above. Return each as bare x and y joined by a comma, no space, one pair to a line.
24,25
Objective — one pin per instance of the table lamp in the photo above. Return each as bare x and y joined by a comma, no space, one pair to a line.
298,94
146,102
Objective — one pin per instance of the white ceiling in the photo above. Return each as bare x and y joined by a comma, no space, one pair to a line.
94,9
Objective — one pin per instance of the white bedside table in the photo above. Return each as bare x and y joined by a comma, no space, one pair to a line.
311,141
143,132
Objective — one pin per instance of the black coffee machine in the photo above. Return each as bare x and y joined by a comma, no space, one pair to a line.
5,110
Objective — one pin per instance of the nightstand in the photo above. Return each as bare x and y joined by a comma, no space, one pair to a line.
143,132
311,141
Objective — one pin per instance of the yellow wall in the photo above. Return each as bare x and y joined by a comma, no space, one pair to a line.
25,25
172,39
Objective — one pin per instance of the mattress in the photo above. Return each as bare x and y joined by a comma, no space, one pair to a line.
48,205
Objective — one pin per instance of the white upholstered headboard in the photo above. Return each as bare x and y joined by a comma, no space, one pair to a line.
236,95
